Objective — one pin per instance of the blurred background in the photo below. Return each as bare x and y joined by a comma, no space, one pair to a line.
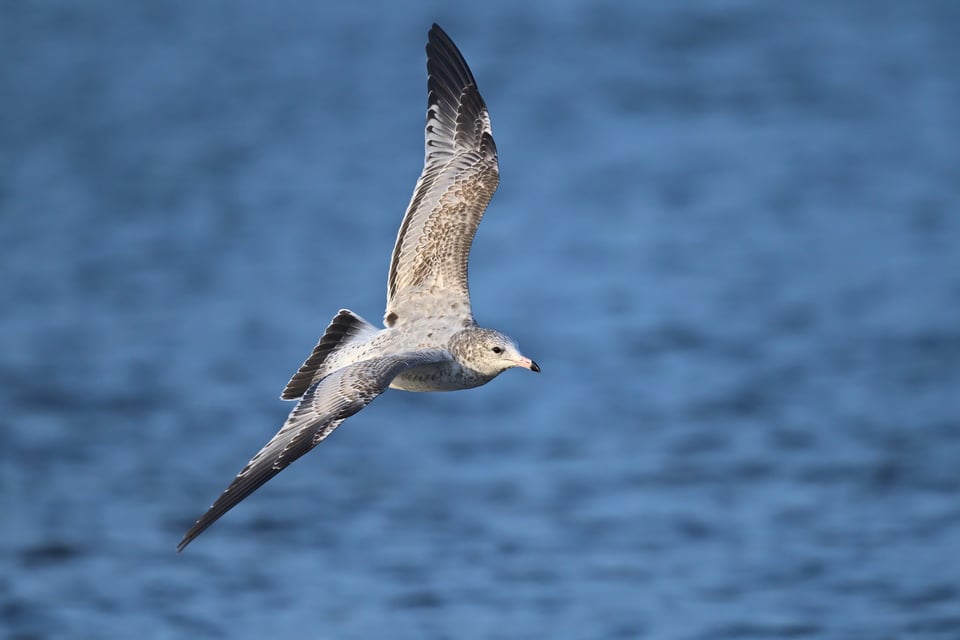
729,232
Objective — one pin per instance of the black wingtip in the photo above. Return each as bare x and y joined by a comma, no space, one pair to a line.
437,34
189,537
443,52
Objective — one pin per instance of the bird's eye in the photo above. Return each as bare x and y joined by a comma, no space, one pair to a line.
498,350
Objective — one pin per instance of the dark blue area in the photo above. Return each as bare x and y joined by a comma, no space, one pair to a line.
728,232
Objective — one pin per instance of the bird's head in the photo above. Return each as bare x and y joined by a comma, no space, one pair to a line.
489,352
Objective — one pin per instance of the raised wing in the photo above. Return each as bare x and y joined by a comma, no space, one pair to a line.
428,271
323,407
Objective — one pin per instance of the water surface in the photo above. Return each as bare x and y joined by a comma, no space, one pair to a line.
729,233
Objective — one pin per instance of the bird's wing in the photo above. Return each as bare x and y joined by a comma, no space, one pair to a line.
459,177
322,408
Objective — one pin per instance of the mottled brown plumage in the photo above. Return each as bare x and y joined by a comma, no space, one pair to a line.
460,175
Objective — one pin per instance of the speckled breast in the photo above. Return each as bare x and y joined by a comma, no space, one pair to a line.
446,376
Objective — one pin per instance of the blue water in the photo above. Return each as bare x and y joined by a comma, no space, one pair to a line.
729,232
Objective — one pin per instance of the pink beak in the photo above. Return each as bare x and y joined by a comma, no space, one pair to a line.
527,363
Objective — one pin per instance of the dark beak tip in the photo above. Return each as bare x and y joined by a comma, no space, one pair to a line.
534,367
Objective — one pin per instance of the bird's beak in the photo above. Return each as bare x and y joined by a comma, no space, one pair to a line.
527,363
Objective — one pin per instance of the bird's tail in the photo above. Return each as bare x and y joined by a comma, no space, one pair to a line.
346,327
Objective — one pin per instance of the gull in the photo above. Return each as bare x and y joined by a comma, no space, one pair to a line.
430,341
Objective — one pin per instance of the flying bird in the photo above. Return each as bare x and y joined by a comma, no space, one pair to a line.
430,341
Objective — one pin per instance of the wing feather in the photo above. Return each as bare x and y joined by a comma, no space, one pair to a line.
322,408
459,177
